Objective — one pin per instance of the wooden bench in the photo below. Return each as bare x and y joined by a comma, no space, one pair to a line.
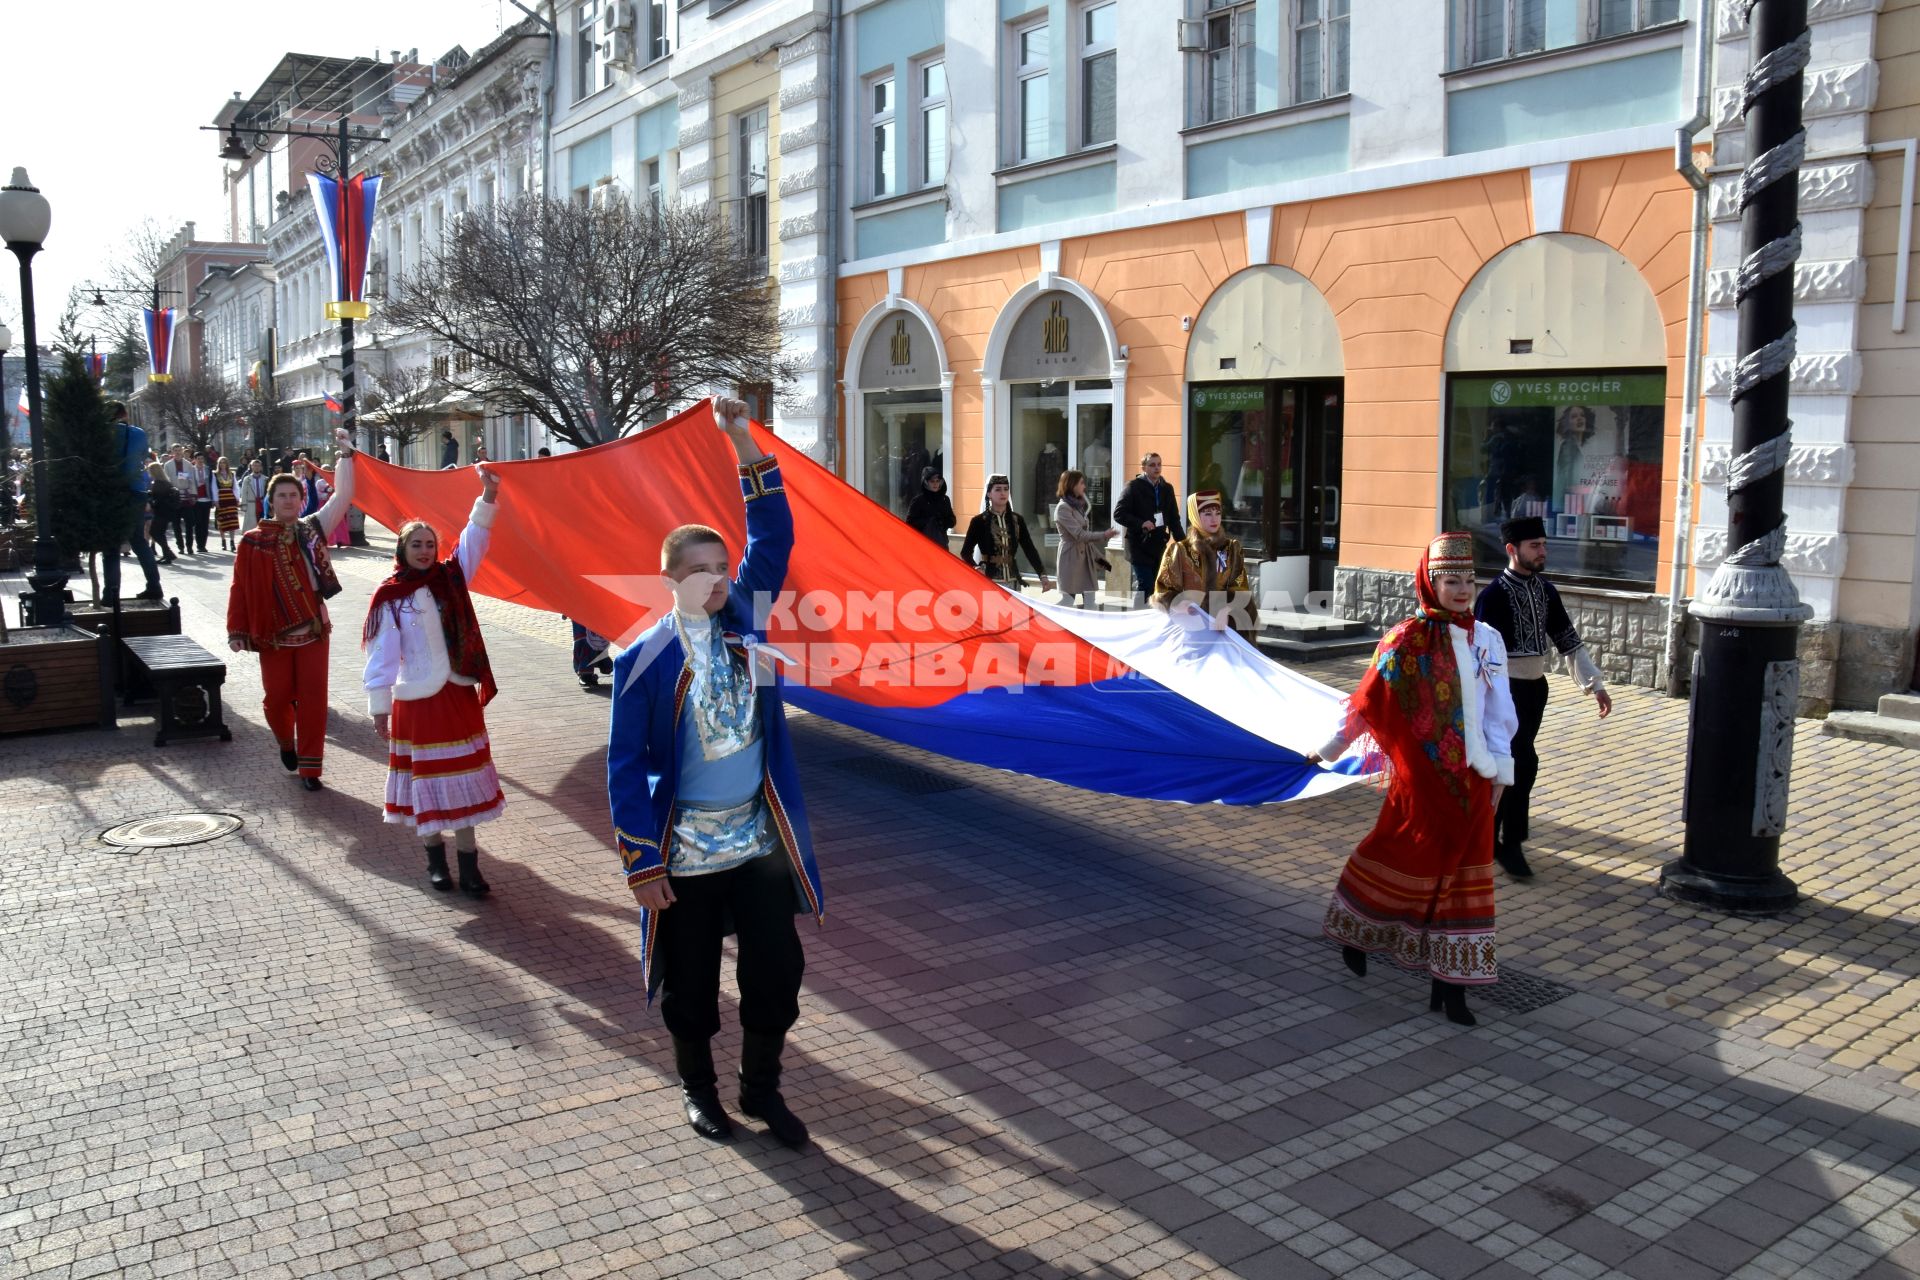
187,680
133,618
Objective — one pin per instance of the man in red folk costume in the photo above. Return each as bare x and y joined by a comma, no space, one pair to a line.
277,607
427,679
1436,703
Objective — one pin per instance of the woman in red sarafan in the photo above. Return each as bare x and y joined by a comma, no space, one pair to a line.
1436,704
427,679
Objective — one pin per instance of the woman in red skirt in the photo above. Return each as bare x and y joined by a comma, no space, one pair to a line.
226,504
427,679
1436,704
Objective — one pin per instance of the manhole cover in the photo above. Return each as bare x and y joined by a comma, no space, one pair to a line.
899,775
171,829
1520,992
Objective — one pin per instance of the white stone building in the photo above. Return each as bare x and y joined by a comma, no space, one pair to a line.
724,104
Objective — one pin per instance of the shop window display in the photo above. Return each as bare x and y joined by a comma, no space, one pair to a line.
1060,426
1580,450
1228,447
903,439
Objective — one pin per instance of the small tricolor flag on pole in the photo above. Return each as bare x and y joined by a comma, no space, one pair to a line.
159,326
346,227
333,405
96,365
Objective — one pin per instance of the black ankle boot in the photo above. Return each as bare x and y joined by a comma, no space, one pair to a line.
700,1089
1513,860
289,759
437,867
1452,996
1356,960
470,882
760,1087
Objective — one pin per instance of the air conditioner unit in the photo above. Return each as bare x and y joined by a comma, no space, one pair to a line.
604,195
1193,35
617,15
619,47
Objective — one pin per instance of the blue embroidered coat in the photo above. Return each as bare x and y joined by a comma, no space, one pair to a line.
644,740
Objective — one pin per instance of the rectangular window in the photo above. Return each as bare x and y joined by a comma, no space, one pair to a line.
750,177
932,79
656,195
588,62
1227,82
882,144
1033,122
1320,48
659,35
1504,28
1098,65
903,440
1580,450
1618,17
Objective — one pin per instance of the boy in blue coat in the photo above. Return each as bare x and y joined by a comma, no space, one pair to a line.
706,802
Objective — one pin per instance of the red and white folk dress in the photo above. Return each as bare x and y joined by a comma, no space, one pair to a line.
422,670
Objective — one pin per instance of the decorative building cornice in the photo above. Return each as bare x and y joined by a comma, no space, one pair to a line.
1733,17
809,135
1820,373
793,184
813,42
804,225
1836,184
800,91
1806,463
692,135
1825,280
696,94
692,174
807,268
1822,555
1830,91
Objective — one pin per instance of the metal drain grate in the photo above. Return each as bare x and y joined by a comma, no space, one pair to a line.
171,829
1516,992
899,775
1519,992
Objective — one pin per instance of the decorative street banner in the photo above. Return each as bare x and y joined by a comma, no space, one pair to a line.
346,228
159,330
883,630
96,366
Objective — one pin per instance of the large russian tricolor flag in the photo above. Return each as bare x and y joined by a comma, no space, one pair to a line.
881,629
346,211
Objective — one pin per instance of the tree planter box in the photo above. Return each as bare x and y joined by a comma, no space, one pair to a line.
55,678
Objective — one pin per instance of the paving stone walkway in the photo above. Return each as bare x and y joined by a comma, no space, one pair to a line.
1044,1032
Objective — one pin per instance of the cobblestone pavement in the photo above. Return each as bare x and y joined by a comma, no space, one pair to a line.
1044,1033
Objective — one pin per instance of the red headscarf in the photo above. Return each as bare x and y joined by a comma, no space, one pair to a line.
466,650
1410,699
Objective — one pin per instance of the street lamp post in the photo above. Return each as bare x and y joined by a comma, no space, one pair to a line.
1746,682
6,438
25,218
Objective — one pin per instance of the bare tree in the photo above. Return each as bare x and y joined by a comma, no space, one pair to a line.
403,404
594,320
192,408
268,421
127,285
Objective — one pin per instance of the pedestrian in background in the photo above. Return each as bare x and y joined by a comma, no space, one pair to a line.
180,476
449,450
165,506
1525,609
252,495
202,491
133,451
931,511
1420,885
1081,566
226,504
427,680
1149,511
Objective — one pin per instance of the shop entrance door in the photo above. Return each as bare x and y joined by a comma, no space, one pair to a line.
1321,405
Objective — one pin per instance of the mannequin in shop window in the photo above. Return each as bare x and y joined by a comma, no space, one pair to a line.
1571,436
1047,469
999,533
